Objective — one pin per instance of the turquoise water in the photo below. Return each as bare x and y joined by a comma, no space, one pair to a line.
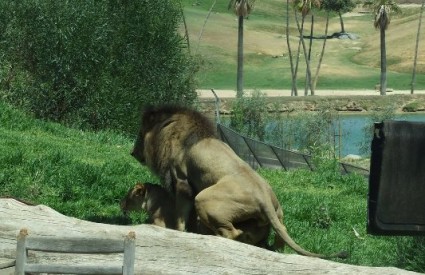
350,128
352,134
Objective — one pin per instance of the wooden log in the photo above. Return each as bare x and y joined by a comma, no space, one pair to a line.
159,250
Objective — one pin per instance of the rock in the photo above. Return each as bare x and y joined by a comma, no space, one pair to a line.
160,250
352,157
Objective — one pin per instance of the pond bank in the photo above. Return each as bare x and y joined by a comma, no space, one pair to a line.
356,102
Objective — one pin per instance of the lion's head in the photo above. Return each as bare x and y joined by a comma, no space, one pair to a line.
163,129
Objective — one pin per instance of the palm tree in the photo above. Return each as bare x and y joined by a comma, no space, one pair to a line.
242,9
383,10
412,85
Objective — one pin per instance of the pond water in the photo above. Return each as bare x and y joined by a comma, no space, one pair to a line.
349,133
352,134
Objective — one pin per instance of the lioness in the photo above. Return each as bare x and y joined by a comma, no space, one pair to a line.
180,146
153,199
160,205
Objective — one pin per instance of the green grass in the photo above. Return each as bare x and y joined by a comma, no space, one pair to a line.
322,208
266,64
85,175
78,173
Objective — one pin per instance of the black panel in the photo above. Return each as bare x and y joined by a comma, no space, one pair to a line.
396,202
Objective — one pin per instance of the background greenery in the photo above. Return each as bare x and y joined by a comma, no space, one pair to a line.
93,64
347,64
85,175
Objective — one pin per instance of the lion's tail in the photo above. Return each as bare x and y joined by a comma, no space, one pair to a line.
283,233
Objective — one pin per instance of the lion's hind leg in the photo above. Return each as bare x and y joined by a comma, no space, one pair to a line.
216,214
254,233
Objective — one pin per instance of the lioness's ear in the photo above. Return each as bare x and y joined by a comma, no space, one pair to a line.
139,189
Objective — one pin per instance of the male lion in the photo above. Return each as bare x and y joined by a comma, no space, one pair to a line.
180,146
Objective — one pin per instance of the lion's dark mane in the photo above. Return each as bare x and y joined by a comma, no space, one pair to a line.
201,127
188,127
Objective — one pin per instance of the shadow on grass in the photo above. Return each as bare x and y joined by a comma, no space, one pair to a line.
118,220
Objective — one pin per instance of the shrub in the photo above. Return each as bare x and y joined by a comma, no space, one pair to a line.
376,116
93,63
411,107
249,115
309,132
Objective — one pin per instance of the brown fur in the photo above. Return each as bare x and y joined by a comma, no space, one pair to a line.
159,204
153,199
180,146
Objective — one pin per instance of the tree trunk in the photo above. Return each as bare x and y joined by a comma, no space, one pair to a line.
412,85
203,26
186,32
239,84
294,91
342,22
316,76
308,73
158,250
297,61
300,30
383,79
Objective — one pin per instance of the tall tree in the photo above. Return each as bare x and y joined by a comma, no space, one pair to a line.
294,91
305,7
340,7
383,10
242,9
329,6
322,53
412,85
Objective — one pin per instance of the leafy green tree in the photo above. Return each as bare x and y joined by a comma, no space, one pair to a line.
242,9
95,63
383,10
340,7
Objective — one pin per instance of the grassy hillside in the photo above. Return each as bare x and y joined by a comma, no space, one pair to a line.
85,174
78,173
266,54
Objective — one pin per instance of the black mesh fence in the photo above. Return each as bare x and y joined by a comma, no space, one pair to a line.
259,154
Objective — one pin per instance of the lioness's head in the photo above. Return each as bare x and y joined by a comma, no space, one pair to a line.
134,199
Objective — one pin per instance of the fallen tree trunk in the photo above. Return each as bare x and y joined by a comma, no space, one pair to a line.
162,251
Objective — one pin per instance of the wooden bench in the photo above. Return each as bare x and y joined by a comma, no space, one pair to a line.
74,245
